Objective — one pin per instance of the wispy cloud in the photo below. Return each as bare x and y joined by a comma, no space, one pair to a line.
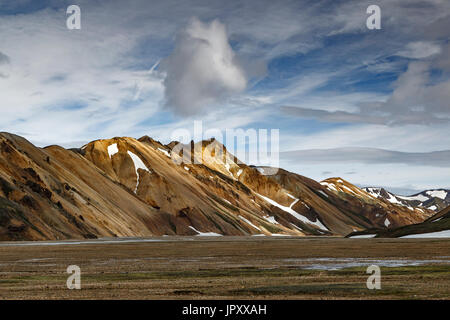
340,84
369,155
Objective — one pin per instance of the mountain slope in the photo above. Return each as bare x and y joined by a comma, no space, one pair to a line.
210,194
128,187
54,193
436,199
436,226
381,212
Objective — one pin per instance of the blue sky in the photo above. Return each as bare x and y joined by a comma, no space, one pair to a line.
311,69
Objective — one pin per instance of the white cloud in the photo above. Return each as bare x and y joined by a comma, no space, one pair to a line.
420,50
202,70
71,85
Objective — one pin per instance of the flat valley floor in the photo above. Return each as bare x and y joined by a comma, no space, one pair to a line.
227,268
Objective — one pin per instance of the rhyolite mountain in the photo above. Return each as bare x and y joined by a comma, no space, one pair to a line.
123,187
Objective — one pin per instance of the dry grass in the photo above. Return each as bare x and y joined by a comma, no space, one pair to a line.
242,268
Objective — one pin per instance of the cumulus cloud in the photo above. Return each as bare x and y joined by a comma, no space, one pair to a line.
202,70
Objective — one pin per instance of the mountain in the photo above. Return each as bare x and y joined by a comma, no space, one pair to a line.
436,226
379,211
435,199
126,187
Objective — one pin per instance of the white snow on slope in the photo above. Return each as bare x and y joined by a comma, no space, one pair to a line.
205,234
330,186
271,219
249,222
138,164
227,166
439,234
323,193
437,194
165,152
419,197
112,150
374,192
298,228
293,213
290,196
393,199
363,236
349,190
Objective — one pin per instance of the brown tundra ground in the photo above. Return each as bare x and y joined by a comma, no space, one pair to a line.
227,268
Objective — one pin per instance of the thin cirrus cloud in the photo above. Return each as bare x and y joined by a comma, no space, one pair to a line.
420,49
368,156
417,98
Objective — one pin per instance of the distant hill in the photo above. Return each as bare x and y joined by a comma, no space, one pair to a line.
434,199
436,226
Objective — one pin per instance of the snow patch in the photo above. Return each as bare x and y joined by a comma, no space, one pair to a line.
227,166
393,199
165,152
112,150
437,194
298,228
249,222
293,213
138,164
323,193
348,189
363,236
330,186
271,219
205,234
439,234
419,197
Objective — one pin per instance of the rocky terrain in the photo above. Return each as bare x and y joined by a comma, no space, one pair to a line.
126,187
438,226
436,199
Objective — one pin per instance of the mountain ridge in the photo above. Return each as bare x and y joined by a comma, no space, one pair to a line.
140,187
433,199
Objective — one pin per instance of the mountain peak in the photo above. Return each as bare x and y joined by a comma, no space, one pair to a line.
127,187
